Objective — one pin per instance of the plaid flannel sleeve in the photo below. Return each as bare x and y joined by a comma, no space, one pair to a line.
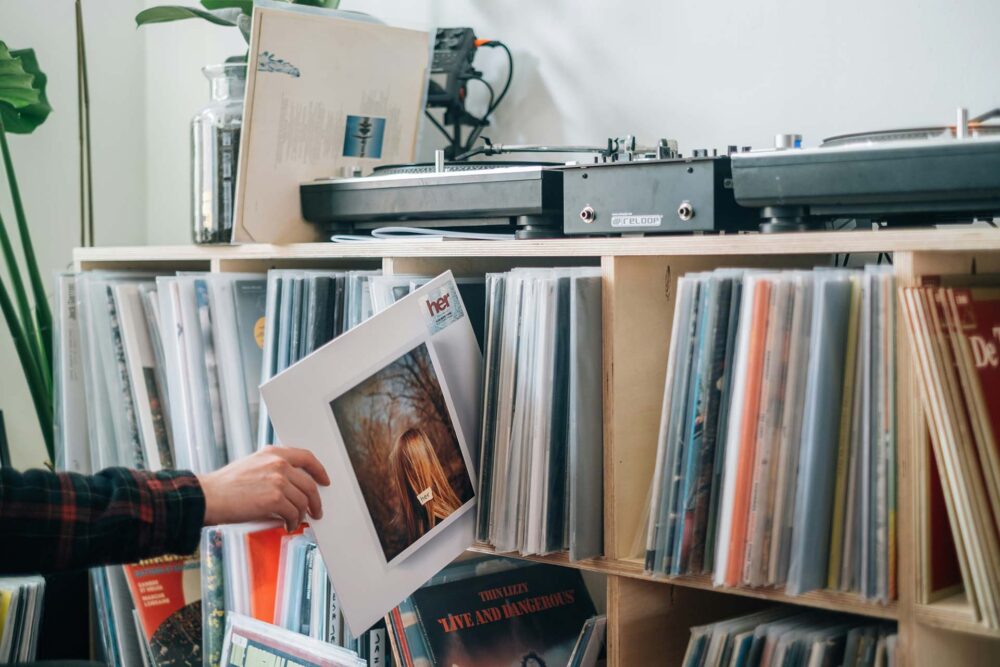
61,521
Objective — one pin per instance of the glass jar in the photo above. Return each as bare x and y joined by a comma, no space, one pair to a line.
215,145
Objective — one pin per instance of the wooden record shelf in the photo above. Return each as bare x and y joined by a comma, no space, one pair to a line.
955,614
847,603
649,618
959,239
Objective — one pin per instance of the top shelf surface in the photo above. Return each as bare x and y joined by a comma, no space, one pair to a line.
945,239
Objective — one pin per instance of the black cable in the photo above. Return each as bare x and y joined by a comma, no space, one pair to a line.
471,139
466,155
486,83
510,71
482,122
494,102
438,125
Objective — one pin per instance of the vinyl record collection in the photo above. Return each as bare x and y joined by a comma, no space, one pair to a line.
305,601
776,457
250,642
20,617
183,357
167,610
526,609
262,572
774,379
590,643
952,324
116,621
541,444
790,638
304,310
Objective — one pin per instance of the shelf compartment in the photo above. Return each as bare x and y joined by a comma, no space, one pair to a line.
654,621
848,603
639,295
954,613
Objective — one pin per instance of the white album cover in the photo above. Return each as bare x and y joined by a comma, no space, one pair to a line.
325,91
390,409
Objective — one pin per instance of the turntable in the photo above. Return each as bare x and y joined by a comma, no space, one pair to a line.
624,189
918,176
486,195
898,177
525,198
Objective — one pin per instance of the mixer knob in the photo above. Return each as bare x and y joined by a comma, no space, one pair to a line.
666,149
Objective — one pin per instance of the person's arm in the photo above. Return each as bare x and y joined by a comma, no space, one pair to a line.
60,521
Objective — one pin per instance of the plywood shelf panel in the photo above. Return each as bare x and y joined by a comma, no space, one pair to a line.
955,614
633,569
951,239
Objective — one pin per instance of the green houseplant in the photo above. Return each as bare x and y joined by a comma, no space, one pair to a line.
234,13
23,107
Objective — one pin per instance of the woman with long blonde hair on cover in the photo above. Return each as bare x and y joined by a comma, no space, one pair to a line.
427,496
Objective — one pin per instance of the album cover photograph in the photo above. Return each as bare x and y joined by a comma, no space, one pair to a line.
407,455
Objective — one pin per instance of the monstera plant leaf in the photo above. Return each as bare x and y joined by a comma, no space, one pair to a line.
23,104
224,16
245,6
220,12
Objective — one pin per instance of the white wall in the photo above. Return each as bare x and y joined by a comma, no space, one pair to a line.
174,90
714,72
707,73
46,160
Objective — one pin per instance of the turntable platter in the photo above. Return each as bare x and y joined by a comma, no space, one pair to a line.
977,127
910,134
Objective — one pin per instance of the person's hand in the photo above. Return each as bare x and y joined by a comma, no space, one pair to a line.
276,482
